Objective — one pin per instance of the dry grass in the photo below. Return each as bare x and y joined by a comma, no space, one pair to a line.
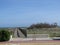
40,43
32,44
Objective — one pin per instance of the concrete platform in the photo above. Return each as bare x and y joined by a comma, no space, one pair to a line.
29,39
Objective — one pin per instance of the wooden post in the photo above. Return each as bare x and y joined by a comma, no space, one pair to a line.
10,37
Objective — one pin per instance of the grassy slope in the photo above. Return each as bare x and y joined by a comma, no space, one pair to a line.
43,30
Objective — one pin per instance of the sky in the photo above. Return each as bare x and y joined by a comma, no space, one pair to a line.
19,13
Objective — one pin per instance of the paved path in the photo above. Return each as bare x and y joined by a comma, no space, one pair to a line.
33,42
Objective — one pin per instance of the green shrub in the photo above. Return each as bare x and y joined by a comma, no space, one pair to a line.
4,35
